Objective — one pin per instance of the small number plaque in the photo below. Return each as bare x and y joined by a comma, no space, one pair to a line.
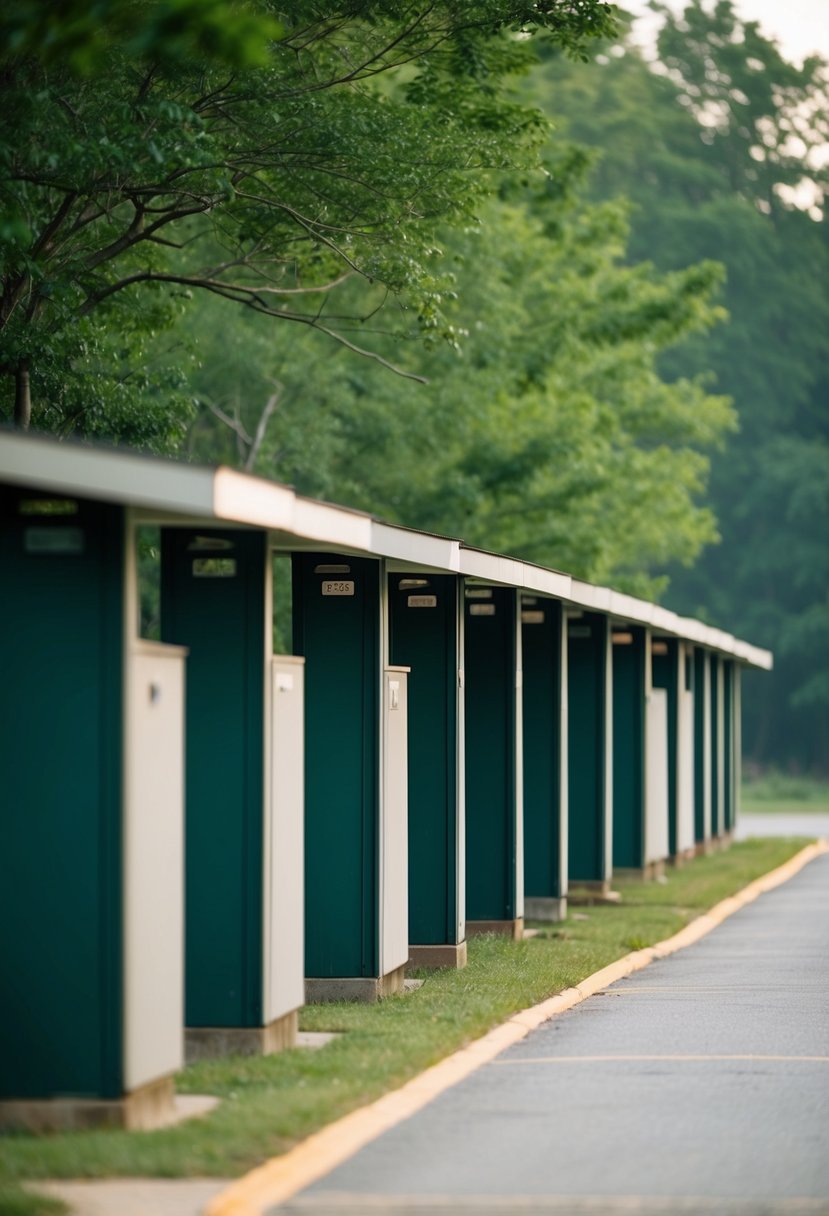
533,616
423,601
482,610
338,586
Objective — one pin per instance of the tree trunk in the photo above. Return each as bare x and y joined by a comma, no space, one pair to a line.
22,397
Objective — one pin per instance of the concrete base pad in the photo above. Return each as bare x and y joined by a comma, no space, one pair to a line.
437,956
151,1106
209,1042
714,844
682,858
646,873
588,894
504,928
549,908
354,988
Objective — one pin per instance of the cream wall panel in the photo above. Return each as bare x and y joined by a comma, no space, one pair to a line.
684,759
394,837
284,859
656,776
153,863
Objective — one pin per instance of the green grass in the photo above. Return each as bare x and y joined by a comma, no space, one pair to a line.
781,793
270,1103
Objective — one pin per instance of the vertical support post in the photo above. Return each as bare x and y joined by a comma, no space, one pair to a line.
424,629
338,613
590,751
630,651
216,600
494,835
702,750
545,812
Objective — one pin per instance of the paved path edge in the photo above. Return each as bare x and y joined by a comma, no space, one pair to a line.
281,1177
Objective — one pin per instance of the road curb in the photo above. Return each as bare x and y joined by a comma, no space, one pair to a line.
281,1177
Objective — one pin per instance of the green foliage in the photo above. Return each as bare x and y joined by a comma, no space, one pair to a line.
544,431
719,148
81,35
254,158
776,791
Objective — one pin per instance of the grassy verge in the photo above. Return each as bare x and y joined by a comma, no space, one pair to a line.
270,1103
781,794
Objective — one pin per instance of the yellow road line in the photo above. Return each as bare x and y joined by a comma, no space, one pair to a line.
281,1177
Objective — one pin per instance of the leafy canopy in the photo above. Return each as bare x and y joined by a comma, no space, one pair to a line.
546,433
257,152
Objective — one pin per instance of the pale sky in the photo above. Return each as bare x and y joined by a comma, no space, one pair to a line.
801,27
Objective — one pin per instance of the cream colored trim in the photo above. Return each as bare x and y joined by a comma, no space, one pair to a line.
102,475
165,488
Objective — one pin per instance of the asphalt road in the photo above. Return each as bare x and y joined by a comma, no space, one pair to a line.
806,823
699,1085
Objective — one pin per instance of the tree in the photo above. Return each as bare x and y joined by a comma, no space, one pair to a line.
717,145
546,433
153,146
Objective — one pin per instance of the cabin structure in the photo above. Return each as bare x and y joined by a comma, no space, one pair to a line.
259,749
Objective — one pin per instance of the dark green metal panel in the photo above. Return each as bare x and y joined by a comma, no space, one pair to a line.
490,757
339,635
218,611
629,752
587,742
716,809
666,674
541,663
61,657
727,669
423,635
699,743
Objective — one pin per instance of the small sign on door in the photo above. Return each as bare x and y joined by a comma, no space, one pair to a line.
338,586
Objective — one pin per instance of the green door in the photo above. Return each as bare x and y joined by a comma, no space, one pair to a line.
666,674
727,669
337,629
541,663
423,635
629,749
489,657
716,757
587,746
213,601
699,665
61,648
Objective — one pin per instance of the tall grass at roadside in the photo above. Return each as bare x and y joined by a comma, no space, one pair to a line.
270,1103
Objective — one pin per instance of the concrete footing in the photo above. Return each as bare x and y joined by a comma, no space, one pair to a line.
549,908
209,1042
354,988
678,860
437,957
148,1107
646,873
504,928
714,844
587,894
